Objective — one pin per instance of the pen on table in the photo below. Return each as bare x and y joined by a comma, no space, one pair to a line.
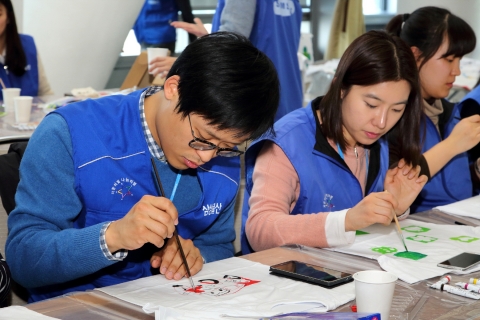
175,233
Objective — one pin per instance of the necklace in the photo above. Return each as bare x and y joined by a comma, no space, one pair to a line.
359,160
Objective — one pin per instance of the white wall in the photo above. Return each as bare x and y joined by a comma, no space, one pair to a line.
468,10
79,41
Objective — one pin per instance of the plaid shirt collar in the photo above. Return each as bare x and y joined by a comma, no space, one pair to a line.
153,147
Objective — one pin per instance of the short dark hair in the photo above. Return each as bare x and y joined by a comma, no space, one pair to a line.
15,58
228,82
427,27
373,58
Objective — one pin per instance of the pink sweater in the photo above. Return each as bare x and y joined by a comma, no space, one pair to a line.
276,188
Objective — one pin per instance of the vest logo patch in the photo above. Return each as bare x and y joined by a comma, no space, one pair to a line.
123,187
327,201
213,208
283,8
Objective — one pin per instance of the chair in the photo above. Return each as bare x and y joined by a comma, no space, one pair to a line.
9,169
9,178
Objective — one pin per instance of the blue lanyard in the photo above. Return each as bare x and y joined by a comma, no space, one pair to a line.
177,181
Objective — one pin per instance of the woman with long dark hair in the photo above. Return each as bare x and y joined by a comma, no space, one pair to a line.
438,40
20,66
325,173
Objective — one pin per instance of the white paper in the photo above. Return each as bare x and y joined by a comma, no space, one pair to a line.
466,208
22,313
257,294
438,242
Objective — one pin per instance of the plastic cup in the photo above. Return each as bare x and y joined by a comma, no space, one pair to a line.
8,95
374,291
23,109
156,52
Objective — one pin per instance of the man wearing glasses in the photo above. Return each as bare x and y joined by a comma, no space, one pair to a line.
88,208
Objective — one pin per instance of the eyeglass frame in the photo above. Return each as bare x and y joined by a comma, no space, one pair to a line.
235,153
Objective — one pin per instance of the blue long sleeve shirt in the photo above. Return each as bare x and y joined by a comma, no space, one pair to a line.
43,248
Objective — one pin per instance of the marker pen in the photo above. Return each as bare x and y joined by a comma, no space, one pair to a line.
443,280
474,281
468,286
458,291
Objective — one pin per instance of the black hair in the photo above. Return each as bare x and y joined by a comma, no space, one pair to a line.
15,59
427,27
373,58
228,82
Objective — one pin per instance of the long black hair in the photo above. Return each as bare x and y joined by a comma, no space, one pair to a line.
15,60
427,27
373,58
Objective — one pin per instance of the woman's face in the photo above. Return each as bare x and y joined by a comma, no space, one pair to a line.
3,19
438,73
368,112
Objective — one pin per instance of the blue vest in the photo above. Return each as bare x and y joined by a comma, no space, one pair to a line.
474,94
113,171
452,183
326,184
28,82
276,32
153,22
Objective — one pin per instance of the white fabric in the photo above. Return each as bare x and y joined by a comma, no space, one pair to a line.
466,208
22,313
335,229
437,244
271,295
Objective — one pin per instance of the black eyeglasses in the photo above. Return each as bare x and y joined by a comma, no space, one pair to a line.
203,145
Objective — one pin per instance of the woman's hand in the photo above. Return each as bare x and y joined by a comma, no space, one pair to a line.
377,207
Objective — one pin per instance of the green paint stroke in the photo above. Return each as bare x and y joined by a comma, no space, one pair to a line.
383,250
410,255
360,232
464,239
415,229
422,239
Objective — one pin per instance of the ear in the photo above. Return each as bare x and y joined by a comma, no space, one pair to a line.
170,87
416,53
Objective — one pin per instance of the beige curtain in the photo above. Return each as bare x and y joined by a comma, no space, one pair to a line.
347,24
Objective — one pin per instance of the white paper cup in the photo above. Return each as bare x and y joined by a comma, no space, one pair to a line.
374,291
156,52
8,95
23,108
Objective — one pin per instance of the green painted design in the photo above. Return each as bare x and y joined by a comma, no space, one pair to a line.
360,232
384,250
415,229
410,255
464,239
422,239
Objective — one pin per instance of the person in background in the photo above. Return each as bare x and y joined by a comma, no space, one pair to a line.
325,173
469,106
273,26
20,64
438,40
153,30
87,209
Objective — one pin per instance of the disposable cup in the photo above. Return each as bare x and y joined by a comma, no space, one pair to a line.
8,95
374,291
23,108
156,52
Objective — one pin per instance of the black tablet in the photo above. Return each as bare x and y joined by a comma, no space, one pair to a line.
310,273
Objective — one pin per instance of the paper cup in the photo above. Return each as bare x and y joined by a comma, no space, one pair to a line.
374,291
156,52
23,109
8,95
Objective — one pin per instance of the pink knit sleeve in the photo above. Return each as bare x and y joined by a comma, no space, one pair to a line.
275,192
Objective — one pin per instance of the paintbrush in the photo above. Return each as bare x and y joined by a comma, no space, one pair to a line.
175,233
400,231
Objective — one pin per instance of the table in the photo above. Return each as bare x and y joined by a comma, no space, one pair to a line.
410,301
8,120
